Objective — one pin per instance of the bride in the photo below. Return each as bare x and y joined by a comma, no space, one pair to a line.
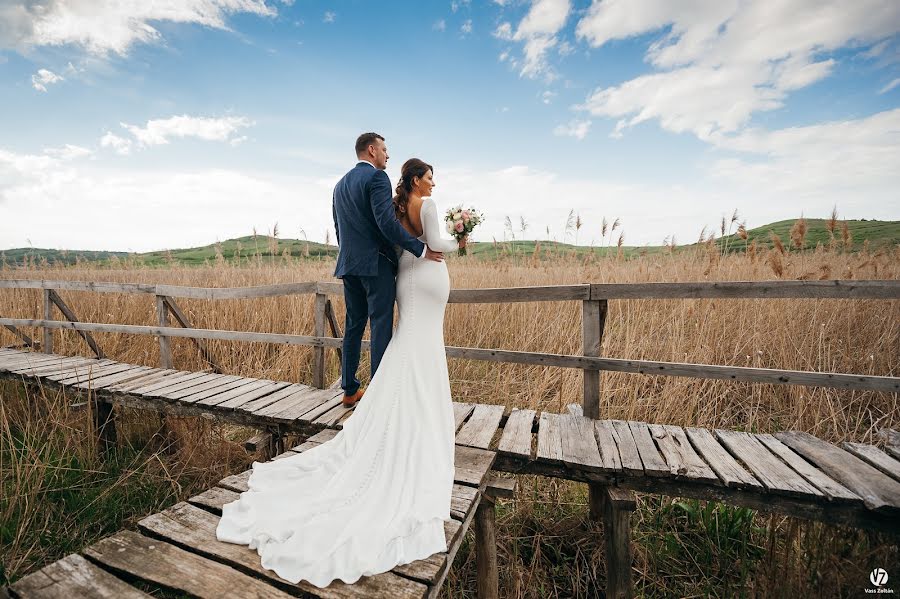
377,494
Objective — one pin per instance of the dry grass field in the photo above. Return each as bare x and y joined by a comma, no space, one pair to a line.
58,495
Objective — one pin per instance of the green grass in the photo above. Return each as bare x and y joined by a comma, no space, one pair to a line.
262,248
879,233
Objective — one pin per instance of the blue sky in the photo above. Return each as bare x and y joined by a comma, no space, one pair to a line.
144,125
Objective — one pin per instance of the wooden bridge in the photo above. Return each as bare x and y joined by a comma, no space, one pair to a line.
792,473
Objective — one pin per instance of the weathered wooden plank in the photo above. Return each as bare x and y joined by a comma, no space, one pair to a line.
195,529
309,401
173,378
215,381
314,414
606,435
546,293
654,464
269,399
331,417
218,398
195,378
481,426
516,438
240,399
773,473
472,466
461,411
50,366
201,395
74,576
62,371
749,289
875,457
19,359
578,444
298,394
549,443
729,471
705,371
210,293
159,331
119,377
174,568
879,492
92,373
832,489
153,376
683,461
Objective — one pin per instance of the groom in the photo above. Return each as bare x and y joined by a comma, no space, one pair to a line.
367,230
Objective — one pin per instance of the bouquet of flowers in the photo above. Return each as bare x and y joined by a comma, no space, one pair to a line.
461,222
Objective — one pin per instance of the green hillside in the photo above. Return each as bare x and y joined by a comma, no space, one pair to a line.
879,234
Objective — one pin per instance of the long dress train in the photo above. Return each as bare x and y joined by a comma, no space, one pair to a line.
377,494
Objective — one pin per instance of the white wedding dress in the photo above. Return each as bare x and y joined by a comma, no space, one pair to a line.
377,494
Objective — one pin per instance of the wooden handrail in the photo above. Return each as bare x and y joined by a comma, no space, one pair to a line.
706,371
834,289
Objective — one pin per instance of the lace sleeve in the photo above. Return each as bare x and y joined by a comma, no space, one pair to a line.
431,229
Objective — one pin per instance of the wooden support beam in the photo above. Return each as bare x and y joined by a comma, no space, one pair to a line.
500,487
70,315
319,352
618,504
488,575
104,423
165,349
201,344
29,342
593,321
47,344
260,441
334,326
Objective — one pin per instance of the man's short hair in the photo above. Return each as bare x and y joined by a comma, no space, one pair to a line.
365,140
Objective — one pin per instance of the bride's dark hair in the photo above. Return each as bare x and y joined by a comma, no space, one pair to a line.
412,168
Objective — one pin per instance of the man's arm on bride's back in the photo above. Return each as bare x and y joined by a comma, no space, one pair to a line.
383,209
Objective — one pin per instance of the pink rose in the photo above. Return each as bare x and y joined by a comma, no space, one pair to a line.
460,227
466,215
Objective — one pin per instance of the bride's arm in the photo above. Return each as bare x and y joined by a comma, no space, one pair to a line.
431,229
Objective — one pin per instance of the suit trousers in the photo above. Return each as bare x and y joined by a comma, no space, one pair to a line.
368,298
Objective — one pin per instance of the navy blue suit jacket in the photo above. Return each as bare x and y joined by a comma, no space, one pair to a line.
365,223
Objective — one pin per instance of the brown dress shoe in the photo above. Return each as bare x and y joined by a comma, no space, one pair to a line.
350,400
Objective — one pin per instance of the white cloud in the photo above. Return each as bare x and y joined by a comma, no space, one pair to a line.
440,25
43,78
858,159
457,4
68,152
575,128
466,27
889,86
504,31
128,204
547,96
721,62
159,131
537,31
329,17
119,145
103,26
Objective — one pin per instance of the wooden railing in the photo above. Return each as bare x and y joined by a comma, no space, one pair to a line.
594,298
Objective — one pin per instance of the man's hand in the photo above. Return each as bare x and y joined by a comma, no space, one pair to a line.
436,256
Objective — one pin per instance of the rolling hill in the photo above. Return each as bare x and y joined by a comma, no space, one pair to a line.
879,233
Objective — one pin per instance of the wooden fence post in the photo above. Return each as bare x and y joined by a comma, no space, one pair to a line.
593,321
487,573
618,504
182,319
319,352
47,345
165,349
